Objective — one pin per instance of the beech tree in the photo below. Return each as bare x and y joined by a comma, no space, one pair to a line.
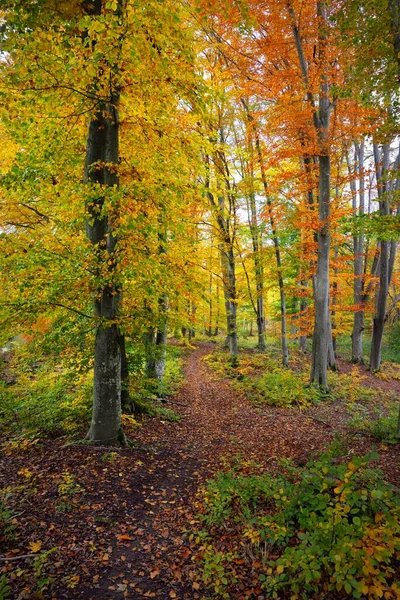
88,63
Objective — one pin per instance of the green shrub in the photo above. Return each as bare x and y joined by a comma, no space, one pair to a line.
143,390
282,387
382,427
332,530
7,518
50,401
4,588
166,414
349,388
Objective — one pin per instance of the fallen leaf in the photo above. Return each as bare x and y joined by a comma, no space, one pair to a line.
35,546
154,573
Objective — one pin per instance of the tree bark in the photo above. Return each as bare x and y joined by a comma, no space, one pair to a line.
358,247
275,239
226,250
125,398
321,121
102,148
382,167
258,271
255,238
321,335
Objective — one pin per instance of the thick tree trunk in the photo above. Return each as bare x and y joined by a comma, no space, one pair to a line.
102,158
102,147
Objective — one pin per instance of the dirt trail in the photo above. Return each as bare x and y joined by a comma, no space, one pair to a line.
121,535
177,459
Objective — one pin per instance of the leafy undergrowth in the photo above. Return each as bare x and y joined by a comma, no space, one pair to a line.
382,426
40,398
263,381
329,530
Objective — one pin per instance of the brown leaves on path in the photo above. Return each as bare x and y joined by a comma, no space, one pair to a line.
116,520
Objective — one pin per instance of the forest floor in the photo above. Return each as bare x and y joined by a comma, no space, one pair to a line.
118,519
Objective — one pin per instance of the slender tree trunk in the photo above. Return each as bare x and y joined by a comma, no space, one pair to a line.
303,308
258,271
149,340
216,330
382,165
161,343
126,402
358,246
208,330
210,313
321,121
275,239
256,239
155,342
308,164
226,251
232,317
380,313
322,330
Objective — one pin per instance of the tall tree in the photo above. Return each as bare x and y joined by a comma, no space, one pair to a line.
101,173
321,113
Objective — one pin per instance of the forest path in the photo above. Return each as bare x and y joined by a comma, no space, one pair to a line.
175,460
115,517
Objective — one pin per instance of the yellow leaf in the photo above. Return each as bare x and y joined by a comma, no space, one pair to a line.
35,546
279,569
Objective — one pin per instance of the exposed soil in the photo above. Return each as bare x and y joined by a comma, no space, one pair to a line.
121,534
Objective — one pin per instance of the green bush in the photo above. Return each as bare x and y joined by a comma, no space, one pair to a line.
382,427
7,518
142,389
280,388
393,342
333,529
350,388
49,401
